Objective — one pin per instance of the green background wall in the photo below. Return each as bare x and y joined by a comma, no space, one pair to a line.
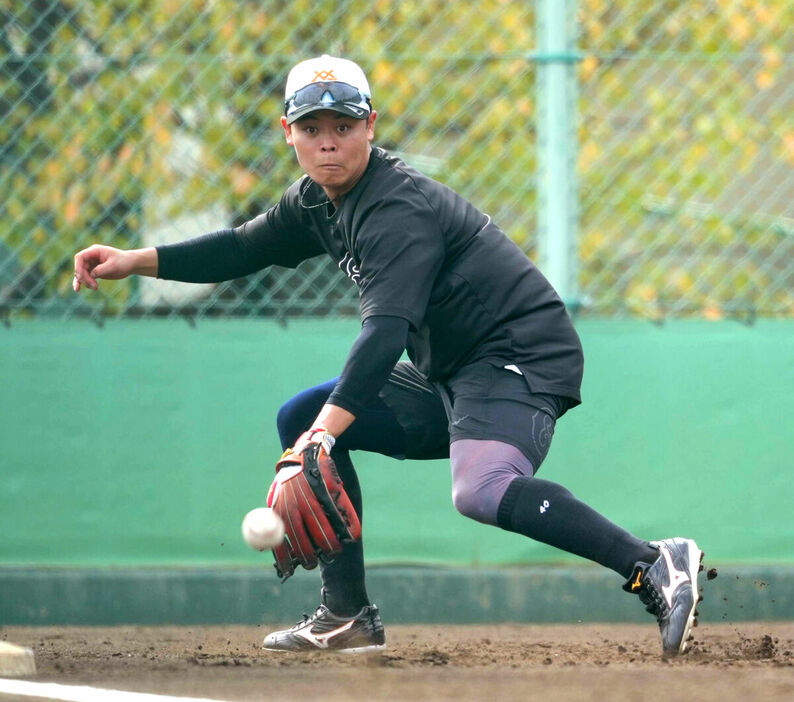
145,442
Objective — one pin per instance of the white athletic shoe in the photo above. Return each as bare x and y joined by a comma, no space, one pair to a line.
669,589
324,631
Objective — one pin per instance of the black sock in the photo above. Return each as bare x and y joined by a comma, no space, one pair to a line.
548,512
344,591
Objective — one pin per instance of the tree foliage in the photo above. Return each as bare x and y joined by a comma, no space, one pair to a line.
685,156
115,113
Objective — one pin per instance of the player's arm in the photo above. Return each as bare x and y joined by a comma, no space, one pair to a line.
210,258
282,236
369,363
276,237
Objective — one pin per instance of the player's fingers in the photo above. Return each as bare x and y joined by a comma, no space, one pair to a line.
82,270
80,279
83,277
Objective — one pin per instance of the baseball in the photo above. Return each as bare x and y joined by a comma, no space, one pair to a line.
263,529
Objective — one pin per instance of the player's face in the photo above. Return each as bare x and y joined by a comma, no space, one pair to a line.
333,149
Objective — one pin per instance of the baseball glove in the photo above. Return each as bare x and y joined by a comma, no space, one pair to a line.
318,516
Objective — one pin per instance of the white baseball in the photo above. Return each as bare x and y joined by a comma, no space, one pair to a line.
263,529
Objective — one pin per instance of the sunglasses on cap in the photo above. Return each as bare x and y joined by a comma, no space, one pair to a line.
337,96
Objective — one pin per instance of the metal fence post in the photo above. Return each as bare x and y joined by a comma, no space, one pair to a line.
558,210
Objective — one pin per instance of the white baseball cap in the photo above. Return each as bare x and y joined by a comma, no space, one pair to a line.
327,83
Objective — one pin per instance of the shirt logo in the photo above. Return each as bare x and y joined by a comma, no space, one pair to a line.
323,76
348,266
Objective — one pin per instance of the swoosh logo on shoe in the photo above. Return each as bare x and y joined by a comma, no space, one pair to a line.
321,640
677,577
637,583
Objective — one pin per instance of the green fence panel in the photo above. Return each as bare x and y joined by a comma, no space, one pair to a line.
145,442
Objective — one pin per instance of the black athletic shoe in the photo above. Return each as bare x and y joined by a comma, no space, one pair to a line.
324,631
668,588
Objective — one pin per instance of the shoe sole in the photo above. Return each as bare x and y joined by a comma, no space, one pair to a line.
364,649
352,651
695,567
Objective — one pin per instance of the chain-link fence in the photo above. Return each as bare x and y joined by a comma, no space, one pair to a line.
135,122
687,157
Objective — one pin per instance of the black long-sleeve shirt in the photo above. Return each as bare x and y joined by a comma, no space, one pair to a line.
417,252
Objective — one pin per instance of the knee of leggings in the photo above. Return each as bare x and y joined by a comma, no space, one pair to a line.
468,500
481,473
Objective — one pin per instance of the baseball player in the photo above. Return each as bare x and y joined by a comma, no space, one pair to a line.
494,362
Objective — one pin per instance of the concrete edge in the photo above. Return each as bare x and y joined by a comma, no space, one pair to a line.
16,660
40,596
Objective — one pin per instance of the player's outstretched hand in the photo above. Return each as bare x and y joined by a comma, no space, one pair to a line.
100,261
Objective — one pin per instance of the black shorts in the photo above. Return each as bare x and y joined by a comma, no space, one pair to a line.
481,401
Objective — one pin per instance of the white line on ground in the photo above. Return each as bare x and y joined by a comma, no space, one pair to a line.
81,693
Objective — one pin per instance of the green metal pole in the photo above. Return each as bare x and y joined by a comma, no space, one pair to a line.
558,210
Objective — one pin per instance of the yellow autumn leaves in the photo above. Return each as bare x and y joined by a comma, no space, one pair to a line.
682,106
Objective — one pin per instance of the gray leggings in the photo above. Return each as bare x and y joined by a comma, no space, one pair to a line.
482,469
499,430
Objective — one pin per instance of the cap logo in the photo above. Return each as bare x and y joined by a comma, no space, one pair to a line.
323,76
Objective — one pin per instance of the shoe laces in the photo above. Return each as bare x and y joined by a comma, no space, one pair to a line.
305,618
652,598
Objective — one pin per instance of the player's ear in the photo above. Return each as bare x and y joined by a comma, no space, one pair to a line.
371,125
287,130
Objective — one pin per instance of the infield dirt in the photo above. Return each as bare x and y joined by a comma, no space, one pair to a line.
729,663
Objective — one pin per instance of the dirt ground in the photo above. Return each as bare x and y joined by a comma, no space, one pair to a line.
729,663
